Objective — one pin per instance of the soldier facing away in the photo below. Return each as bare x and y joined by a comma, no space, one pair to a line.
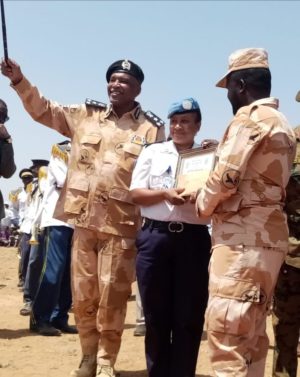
245,196
286,312
106,141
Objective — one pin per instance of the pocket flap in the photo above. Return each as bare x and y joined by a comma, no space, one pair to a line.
90,139
132,148
238,289
78,181
121,195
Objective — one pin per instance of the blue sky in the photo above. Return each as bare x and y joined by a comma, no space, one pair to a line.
65,47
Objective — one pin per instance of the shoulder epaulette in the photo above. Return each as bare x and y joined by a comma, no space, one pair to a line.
92,102
154,119
13,195
43,170
60,151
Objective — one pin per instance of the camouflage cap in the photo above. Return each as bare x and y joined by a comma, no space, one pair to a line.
244,59
298,96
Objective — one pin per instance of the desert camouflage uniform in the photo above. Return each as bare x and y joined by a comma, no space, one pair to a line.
96,200
245,195
286,313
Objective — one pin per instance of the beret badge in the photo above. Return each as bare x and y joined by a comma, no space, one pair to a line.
126,65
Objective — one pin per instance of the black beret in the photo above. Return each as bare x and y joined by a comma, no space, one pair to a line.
126,66
24,173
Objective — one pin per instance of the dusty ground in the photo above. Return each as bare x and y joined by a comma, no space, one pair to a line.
29,355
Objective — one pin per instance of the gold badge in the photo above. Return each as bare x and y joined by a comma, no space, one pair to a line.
139,140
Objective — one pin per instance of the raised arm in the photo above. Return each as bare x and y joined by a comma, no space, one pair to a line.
40,109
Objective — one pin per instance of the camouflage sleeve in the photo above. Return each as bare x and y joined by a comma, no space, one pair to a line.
232,157
47,112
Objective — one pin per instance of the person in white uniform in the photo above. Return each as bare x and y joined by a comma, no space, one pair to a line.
173,251
53,299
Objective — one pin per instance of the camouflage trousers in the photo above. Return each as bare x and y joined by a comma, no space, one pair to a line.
103,269
241,284
286,322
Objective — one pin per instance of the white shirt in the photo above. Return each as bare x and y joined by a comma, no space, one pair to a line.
22,204
6,221
31,209
56,176
155,169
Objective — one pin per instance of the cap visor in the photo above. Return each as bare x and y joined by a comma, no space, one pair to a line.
222,83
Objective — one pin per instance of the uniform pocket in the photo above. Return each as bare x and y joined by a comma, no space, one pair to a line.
130,154
117,262
121,210
77,193
233,305
89,147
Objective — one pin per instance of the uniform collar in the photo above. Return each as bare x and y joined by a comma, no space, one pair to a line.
174,149
134,113
269,101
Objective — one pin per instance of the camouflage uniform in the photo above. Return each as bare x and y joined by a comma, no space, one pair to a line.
286,313
97,201
245,195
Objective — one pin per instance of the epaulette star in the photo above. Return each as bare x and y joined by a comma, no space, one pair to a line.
154,119
92,102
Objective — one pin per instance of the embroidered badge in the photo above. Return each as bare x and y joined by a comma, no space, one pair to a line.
84,155
231,178
139,140
119,148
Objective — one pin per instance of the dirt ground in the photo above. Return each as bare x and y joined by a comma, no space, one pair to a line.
26,354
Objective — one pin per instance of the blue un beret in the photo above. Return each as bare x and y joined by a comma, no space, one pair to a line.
186,105
125,66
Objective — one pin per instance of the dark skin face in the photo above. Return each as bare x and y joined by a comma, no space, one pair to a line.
183,129
122,90
26,181
242,94
236,93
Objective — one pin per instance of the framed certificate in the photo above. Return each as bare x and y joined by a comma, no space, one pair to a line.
193,168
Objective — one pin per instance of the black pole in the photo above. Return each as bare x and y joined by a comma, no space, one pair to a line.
4,31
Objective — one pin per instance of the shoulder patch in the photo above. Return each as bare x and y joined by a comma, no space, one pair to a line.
154,119
92,102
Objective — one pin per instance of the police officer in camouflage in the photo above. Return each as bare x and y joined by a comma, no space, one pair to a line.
286,312
106,141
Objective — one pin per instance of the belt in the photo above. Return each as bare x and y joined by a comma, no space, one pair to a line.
171,226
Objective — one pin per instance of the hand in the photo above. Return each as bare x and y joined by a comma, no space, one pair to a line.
173,196
193,197
12,70
4,135
207,143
